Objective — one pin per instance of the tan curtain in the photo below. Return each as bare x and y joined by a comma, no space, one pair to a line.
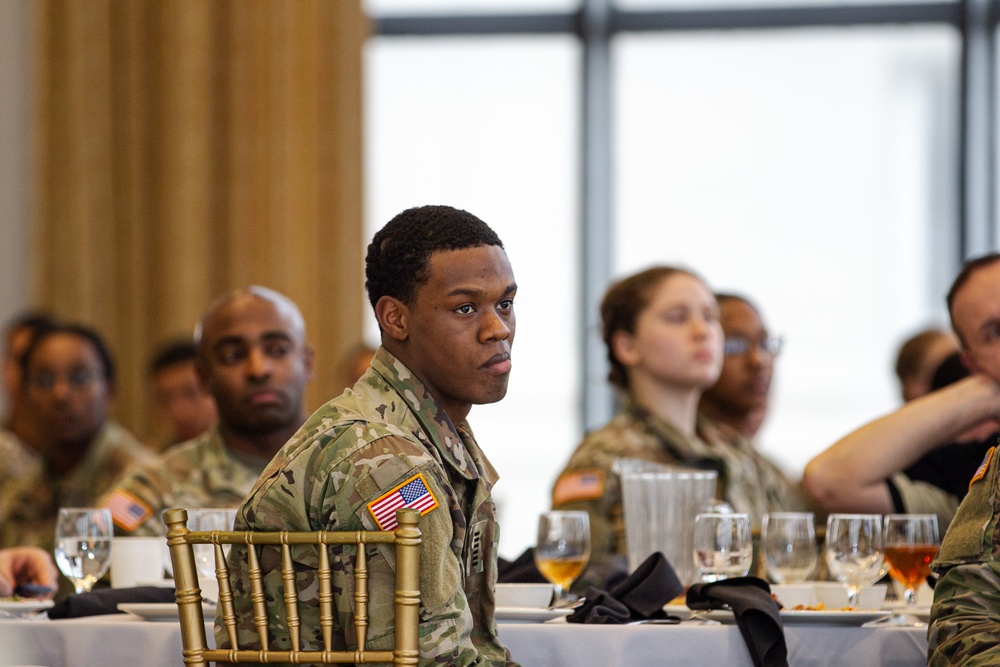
185,147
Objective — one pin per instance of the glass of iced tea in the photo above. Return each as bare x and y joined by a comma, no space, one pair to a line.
911,543
563,549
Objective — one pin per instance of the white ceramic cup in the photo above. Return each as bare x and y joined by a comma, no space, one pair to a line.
135,560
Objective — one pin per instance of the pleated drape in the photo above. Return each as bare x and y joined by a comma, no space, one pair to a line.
185,147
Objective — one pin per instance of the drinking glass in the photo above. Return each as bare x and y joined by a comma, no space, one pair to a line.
563,548
83,545
854,552
788,540
911,542
207,519
723,545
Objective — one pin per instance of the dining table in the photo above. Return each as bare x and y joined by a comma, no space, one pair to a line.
126,640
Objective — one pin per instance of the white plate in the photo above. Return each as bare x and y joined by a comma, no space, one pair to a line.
160,611
790,616
528,614
899,607
24,606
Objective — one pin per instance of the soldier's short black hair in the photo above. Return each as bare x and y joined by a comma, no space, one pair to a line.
971,266
79,330
32,320
396,264
172,353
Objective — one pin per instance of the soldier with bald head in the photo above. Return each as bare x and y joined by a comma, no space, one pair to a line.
254,360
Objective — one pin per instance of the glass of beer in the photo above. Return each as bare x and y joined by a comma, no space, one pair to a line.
563,549
911,543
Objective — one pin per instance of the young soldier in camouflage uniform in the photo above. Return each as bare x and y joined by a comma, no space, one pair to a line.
965,618
68,379
443,291
254,360
664,344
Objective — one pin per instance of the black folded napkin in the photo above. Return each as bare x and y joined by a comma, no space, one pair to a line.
521,570
757,615
105,601
640,596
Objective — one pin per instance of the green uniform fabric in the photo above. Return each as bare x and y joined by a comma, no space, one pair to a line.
197,473
747,481
30,501
349,453
965,616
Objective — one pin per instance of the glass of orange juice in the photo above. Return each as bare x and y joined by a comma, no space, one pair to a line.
563,549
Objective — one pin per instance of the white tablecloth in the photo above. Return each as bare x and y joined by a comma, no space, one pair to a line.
125,641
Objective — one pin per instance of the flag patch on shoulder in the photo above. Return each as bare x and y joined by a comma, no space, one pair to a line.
127,511
981,470
578,485
413,493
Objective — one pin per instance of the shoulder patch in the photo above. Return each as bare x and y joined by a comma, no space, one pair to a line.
981,470
127,511
413,493
578,485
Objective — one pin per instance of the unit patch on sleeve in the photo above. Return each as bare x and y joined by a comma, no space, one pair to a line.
413,493
578,485
127,511
981,470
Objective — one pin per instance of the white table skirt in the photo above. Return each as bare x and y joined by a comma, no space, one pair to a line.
124,641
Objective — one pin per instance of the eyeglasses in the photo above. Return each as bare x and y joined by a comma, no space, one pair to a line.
738,345
76,378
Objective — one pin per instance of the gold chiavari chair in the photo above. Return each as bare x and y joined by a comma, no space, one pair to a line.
406,539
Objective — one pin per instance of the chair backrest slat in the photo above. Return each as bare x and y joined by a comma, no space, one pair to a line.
406,594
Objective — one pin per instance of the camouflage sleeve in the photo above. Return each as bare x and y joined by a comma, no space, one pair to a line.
965,627
137,502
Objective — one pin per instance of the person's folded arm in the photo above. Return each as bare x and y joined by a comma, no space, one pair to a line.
965,619
851,474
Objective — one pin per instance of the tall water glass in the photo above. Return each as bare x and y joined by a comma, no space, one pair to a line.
788,540
208,519
563,548
83,545
723,545
854,551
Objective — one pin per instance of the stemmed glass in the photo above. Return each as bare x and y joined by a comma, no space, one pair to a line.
83,545
208,519
854,552
723,545
563,549
911,542
788,540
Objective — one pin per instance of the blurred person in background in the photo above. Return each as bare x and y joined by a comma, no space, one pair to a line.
665,346
17,428
355,363
184,406
739,399
254,361
68,383
919,356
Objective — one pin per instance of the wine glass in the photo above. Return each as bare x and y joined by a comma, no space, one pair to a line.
723,545
563,549
788,540
208,519
83,544
854,552
911,542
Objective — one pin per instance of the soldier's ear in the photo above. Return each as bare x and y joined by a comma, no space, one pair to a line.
393,317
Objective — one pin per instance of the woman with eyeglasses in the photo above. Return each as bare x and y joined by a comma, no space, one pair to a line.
665,346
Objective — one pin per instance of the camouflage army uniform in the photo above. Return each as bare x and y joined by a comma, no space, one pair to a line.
29,503
349,454
748,481
198,473
965,617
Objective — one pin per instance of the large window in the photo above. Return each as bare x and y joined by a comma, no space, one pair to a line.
821,168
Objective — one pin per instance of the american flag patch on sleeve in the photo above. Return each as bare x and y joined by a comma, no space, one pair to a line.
127,511
413,493
982,467
578,485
